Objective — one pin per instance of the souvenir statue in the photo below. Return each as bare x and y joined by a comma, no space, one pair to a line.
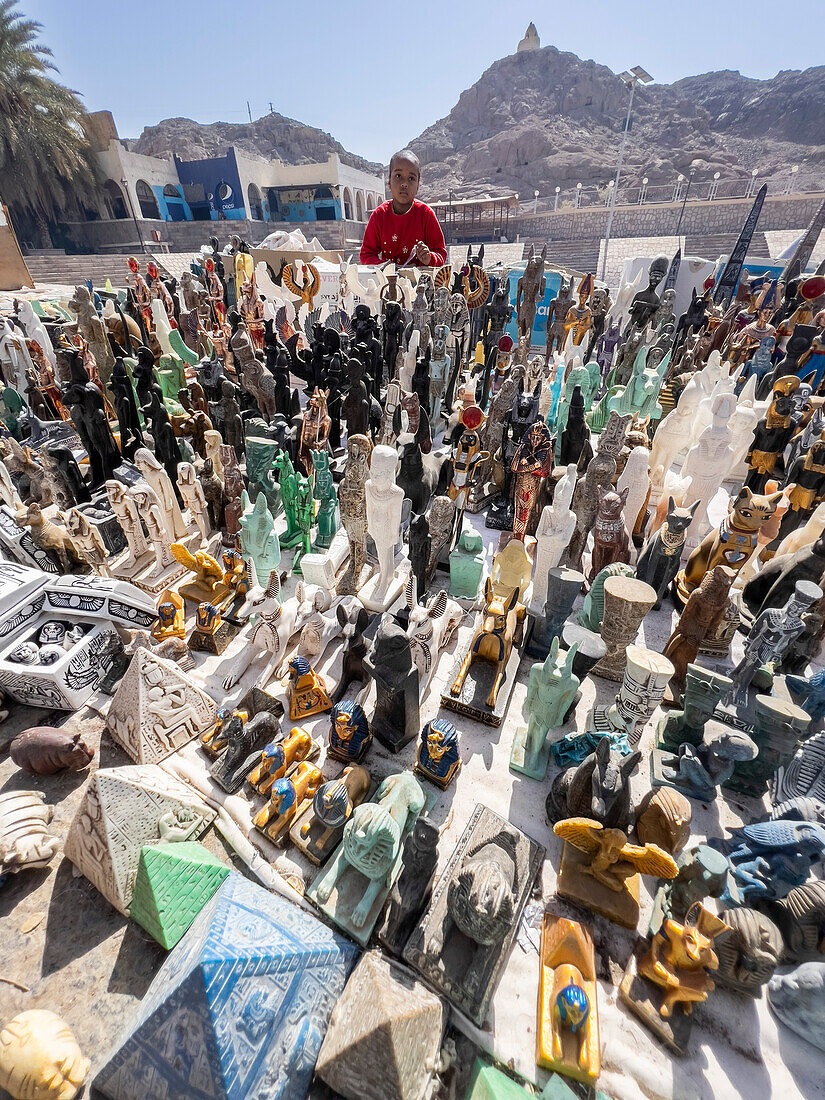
673,972
315,429
697,771
307,692
46,750
327,517
552,536
273,625
166,491
40,1058
647,302
769,858
801,918
645,677
563,587
659,561
600,472
438,758
410,895
480,898
579,318
797,999
430,629
806,478
531,464
287,800
777,726
354,648
466,566
420,476
700,616
750,953
557,312
530,288
25,839
350,735
88,542
383,514
469,459
47,536
171,621
191,491
773,585
279,756
773,433
773,631
395,721
258,540
322,628
442,526
567,1033
703,873
208,586
521,416
663,818
731,544
212,488
592,611
600,869
598,788
125,510
240,740
551,693
353,887
420,547
611,541
626,602
319,828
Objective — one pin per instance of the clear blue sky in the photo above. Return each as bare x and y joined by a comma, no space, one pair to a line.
375,75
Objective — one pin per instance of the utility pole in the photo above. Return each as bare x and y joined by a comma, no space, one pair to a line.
271,108
134,215
249,109
635,76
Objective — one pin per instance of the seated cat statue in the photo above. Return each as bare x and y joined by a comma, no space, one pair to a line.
661,556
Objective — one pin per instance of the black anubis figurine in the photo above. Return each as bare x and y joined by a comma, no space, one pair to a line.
355,650
598,788
575,439
131,436
409,897
245,741
393,336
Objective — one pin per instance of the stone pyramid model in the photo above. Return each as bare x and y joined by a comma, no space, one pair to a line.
122,810
385,1018
174,882
157,709
239,1008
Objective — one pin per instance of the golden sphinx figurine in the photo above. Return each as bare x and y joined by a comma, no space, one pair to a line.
171,621
208,585
278,758
600,869
287,800
567,1035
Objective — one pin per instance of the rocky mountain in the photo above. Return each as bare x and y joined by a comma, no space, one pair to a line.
542,117
273,135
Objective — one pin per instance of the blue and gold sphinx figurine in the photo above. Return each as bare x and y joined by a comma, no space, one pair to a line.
307,691
438,757
350,735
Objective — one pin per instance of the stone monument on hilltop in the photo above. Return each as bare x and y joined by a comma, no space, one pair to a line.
530,40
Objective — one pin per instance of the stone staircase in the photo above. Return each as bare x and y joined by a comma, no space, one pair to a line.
713,245
64,270
581,255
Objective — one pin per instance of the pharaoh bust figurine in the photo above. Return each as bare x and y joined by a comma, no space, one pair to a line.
384,501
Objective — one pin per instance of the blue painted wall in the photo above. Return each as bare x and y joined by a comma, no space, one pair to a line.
171,210
211,173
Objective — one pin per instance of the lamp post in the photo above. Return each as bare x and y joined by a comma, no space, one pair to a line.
752,183
685,198
610,186
635,76
578,194
134,216
535,202
556,200
677,190
791,179
643,192
714,187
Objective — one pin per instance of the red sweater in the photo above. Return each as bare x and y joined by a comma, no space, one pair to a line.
392,236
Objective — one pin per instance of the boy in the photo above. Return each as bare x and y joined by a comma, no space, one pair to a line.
404,230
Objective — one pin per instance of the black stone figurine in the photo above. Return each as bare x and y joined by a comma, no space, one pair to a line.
598,788
773,585
576,435
246,739
420,549
659,560
411,893
131,436
355,651
396,720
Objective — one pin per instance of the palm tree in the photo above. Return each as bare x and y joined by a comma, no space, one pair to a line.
45,158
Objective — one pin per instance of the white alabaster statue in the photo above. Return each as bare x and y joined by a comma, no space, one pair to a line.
708,463
673,436
725,383
212,441
151,512
158,481
384,500
635,479
193,498
128,517
553,533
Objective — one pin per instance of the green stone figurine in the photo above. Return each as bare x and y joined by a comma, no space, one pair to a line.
592,612
304,517
259,540
11,404
703,690
260,464
551,693
328,518
289,497
466,566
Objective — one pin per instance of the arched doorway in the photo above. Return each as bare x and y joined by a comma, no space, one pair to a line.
146,199
114,201
359,206
256,210
174,203
347,204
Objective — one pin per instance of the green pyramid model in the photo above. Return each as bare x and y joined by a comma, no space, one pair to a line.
174,882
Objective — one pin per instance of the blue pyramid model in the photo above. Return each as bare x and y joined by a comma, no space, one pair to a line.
240,1007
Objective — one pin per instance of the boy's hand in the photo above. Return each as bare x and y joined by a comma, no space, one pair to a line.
422,253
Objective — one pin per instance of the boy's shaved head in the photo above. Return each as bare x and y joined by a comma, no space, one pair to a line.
406,154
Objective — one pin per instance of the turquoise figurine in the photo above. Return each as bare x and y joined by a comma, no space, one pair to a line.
438,756
257,535
288,481
555,394
552,689
328,517
11,408
467,566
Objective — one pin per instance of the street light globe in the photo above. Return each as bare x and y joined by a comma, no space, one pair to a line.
578,187
795,169
644,180
755,172
535,194
680,178
716,175
558,189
